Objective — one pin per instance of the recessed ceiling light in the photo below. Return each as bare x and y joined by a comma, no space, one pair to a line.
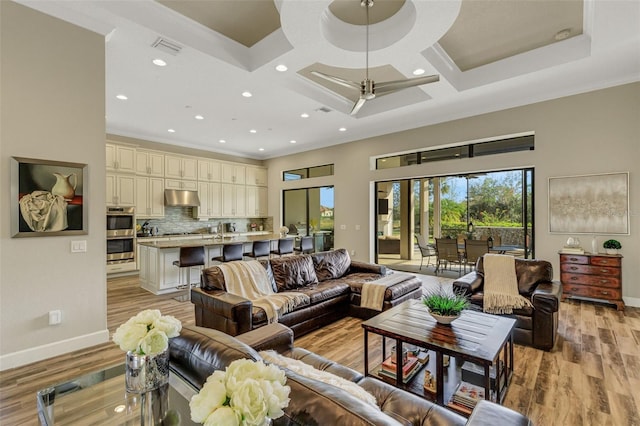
282,68
260,149
418,71
171,131
122,97
247,94
159,62
222,141
292,141
199,117
304,115
342,129
253,131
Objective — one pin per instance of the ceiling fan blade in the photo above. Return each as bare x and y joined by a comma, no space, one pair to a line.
386,87
337,80
359,103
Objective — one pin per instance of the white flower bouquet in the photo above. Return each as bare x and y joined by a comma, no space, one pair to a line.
247,393
147,333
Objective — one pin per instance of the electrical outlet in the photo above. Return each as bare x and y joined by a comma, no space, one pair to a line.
343,227
353,252
55,317
357,227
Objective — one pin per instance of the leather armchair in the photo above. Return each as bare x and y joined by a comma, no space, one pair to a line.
535,326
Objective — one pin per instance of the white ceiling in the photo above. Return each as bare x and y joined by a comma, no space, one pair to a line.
209,74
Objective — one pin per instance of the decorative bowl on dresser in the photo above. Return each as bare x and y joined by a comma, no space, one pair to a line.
595,277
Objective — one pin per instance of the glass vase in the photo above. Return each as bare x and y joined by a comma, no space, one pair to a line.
144,373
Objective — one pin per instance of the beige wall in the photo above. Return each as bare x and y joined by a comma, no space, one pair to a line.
53,107
590,133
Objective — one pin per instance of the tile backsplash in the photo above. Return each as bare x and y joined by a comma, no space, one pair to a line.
180,220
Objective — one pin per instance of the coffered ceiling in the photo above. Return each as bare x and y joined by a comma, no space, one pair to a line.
489,54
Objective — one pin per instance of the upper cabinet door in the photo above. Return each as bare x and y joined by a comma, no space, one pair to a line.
209,171
256,176
180,167
233,173
149,163
120,158
190,168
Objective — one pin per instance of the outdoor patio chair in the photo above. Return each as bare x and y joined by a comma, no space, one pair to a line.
474,249
448,254
426,250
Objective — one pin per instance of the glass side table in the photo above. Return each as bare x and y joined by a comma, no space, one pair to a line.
100,398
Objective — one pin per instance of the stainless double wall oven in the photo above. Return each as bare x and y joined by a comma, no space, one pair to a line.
121,235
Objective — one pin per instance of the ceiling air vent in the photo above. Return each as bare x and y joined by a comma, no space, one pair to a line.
167,46
323,109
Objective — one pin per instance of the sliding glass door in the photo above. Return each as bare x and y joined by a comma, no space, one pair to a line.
309,211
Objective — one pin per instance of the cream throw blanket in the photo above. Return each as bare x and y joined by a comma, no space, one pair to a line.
501,294
250,280
372,296
310,372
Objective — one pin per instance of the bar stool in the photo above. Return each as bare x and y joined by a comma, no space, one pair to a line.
260,248
188,257
230,252
285,246
306,245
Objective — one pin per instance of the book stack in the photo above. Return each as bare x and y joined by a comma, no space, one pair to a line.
466,397
410,367
572,250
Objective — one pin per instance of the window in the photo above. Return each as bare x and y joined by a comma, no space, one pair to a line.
309,211
308,172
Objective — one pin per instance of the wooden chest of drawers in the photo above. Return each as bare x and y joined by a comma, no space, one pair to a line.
588,276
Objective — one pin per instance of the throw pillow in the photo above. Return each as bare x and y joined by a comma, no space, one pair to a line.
309,371
332,264
293,272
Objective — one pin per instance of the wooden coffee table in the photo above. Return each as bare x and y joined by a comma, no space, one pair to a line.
482,339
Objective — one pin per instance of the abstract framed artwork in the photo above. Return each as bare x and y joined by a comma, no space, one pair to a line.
47,198
589,204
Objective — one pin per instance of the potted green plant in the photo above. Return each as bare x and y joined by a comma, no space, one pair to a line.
612,246
445,307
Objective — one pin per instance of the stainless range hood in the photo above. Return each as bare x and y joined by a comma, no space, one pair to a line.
181,197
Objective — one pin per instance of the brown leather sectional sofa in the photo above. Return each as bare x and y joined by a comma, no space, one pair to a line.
198,352
536,326
331,279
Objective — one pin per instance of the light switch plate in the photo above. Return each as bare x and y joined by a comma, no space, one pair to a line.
79,246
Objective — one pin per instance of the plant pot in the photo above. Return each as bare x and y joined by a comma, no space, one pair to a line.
611,251
444,319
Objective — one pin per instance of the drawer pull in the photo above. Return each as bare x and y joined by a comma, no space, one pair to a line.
604,271
573,268
575,289
604,281
573,258
605,292
574,278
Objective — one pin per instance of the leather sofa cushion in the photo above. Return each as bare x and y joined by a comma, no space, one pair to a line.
293,272
213,279
530,273
197,352
392,292
331,264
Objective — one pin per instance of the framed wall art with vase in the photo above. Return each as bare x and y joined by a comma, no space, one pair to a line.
47,198
589,204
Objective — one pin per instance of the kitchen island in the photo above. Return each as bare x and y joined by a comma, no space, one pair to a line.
157,254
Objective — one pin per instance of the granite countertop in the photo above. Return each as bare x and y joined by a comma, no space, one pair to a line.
208,240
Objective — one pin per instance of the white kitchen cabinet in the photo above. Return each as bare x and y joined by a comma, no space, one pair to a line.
120,158
210,201
189,185
256,201
149,163
234,200
256,176
149,197
178,167
209,171
120,190
233,173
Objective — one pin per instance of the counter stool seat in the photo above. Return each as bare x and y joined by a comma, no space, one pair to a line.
306,245
230,252
260,248
189,257
285,246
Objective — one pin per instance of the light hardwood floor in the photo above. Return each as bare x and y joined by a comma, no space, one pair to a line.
592,376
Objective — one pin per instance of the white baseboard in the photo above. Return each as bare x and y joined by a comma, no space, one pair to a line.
631,301
38,353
